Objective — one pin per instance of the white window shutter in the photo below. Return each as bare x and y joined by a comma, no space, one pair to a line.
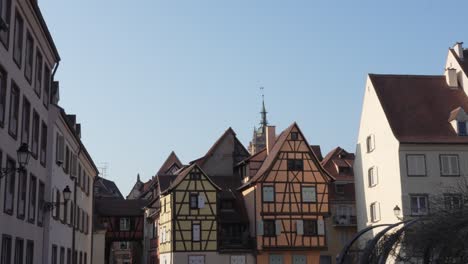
201,201
278,227
300,227
454,165
320,227
260,227
444,165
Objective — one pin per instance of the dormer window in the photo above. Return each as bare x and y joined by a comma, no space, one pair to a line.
461,127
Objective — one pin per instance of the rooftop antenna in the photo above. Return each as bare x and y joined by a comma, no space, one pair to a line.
103,168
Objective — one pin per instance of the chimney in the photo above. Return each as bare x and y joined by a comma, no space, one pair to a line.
78,130
451,77
270,138
458,48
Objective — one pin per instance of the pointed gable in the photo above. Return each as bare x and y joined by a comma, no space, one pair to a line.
225,153
168,166
194,168
284,145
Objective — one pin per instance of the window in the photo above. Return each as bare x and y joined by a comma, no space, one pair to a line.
43,144
69,256
19,251
418,204
40,204
268,193
14,110
196,232
73,167
9,199
35,135
5,16
29,252
38,76
294,135
370,143
310,227
449,165
453,201
276,259
269,228
3,88
22,183
62,255
32,199
66,168
295,165
81,257
47,79
54,254
65,212
375,211
300,259
238,259
124,224
196,259
59,149
309,194
373,176
18,39
85,257
194,201
26,118
57,201
78,218
461,125
339,188
6,249
124,245
195,176
416,165
29,57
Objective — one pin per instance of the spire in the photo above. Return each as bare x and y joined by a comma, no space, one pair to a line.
138,177
264,121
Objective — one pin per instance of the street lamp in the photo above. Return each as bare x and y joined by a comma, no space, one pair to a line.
22,155
49,206
397,212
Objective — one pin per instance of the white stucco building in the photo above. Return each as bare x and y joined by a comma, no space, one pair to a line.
412,147
29,226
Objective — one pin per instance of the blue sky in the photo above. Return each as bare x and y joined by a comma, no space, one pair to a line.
148,77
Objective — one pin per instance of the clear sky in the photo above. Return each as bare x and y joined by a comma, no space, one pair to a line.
147,77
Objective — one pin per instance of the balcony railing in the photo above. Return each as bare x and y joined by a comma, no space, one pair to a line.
236,242
344,220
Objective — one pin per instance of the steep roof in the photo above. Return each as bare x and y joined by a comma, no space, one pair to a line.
336,158
107,188
170,161
270,159
114,207
181,176
418,107
317,151
201,161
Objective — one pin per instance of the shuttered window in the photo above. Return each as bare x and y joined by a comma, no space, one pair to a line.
373,176
449,165
418,204
416,165
269,228
375,211
268,194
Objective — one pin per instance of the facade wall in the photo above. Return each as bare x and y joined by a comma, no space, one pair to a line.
29,229
60,225
165,225
387,193
434,185
453,63
99,247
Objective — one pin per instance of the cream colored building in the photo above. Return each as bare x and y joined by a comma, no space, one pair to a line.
412,146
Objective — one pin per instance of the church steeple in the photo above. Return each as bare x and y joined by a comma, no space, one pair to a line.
259,136
264,121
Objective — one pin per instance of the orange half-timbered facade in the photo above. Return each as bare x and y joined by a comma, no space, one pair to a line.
287,198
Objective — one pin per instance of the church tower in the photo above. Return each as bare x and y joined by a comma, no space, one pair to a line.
259,135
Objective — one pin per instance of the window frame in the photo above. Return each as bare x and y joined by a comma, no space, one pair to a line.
14,90
370,143
315,192
450,196
458,165
307,231
6,249
125,227
38,72
408,165
461,128
43,144
273,194
35,134
5,35
19,243
29,57
375,212
10,180
419,195
295,164
29,249
375,176
269,223
22,194
40,203
19,22
294,136
25,121
191,197
3,95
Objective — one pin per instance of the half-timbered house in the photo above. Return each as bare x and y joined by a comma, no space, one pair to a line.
188,218
287,198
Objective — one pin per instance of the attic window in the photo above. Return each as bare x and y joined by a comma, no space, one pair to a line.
461,125
294,136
